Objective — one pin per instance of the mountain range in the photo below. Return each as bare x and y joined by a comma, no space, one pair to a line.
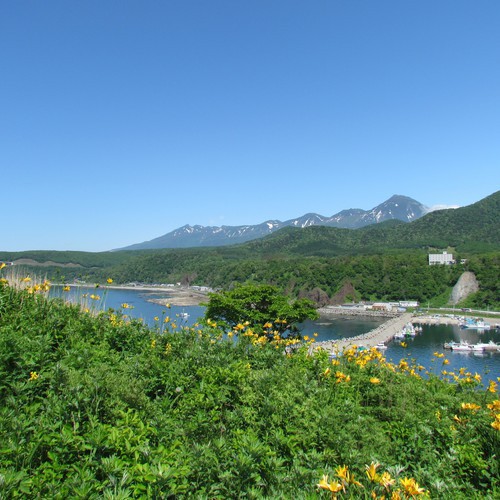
397,207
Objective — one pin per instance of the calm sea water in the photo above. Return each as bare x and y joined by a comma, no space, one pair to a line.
421,348
139,302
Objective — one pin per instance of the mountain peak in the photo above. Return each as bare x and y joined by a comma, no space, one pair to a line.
397,207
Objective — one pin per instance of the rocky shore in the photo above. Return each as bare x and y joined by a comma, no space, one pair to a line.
175,295
353,311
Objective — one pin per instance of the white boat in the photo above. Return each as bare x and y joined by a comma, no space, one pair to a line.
461,346
183,315
409,330
381,346
487,346
475,324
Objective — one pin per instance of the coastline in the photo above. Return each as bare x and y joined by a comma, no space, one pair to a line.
175,295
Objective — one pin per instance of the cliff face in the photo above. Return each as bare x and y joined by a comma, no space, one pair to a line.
466,284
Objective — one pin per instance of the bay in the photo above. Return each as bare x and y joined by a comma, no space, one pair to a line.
421,348
138,302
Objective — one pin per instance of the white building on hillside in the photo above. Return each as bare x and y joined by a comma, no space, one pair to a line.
441,258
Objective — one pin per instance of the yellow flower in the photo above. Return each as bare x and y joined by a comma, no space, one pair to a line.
168,348
492,387
26,280
66,288
153,344
33,375
95,297
334,487
109,280
156,318
411,487
477,377
347,477
386,480
496,425
470,406
126,306
326,372
371,471
342,377
2,265
342,471
446,361
375,380
404,344
494,405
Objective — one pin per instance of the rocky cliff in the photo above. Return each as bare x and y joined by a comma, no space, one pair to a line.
466,284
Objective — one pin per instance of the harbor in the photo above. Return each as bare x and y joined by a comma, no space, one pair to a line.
407,325
376,337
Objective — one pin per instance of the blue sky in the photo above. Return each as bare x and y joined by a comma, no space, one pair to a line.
123,120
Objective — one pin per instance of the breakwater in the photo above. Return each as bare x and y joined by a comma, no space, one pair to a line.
382,334
352,311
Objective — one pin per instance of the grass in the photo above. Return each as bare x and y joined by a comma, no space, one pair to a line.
98,405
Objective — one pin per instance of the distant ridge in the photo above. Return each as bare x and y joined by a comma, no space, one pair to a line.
397,207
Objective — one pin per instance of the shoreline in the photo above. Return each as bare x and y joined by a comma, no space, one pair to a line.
176,295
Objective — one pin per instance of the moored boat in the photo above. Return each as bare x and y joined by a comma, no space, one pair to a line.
488,346
461,346
475,324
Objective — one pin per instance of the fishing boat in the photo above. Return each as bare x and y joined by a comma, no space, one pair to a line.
408,330
475,324
462,346
487,346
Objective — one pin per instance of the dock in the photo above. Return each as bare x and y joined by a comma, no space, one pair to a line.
382,334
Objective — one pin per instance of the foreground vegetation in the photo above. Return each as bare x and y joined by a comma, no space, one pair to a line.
101,406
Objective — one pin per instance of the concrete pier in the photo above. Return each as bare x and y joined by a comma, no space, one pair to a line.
382,334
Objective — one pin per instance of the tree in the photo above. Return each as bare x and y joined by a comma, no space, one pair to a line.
264,307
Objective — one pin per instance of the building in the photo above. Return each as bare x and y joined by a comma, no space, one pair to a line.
441,258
